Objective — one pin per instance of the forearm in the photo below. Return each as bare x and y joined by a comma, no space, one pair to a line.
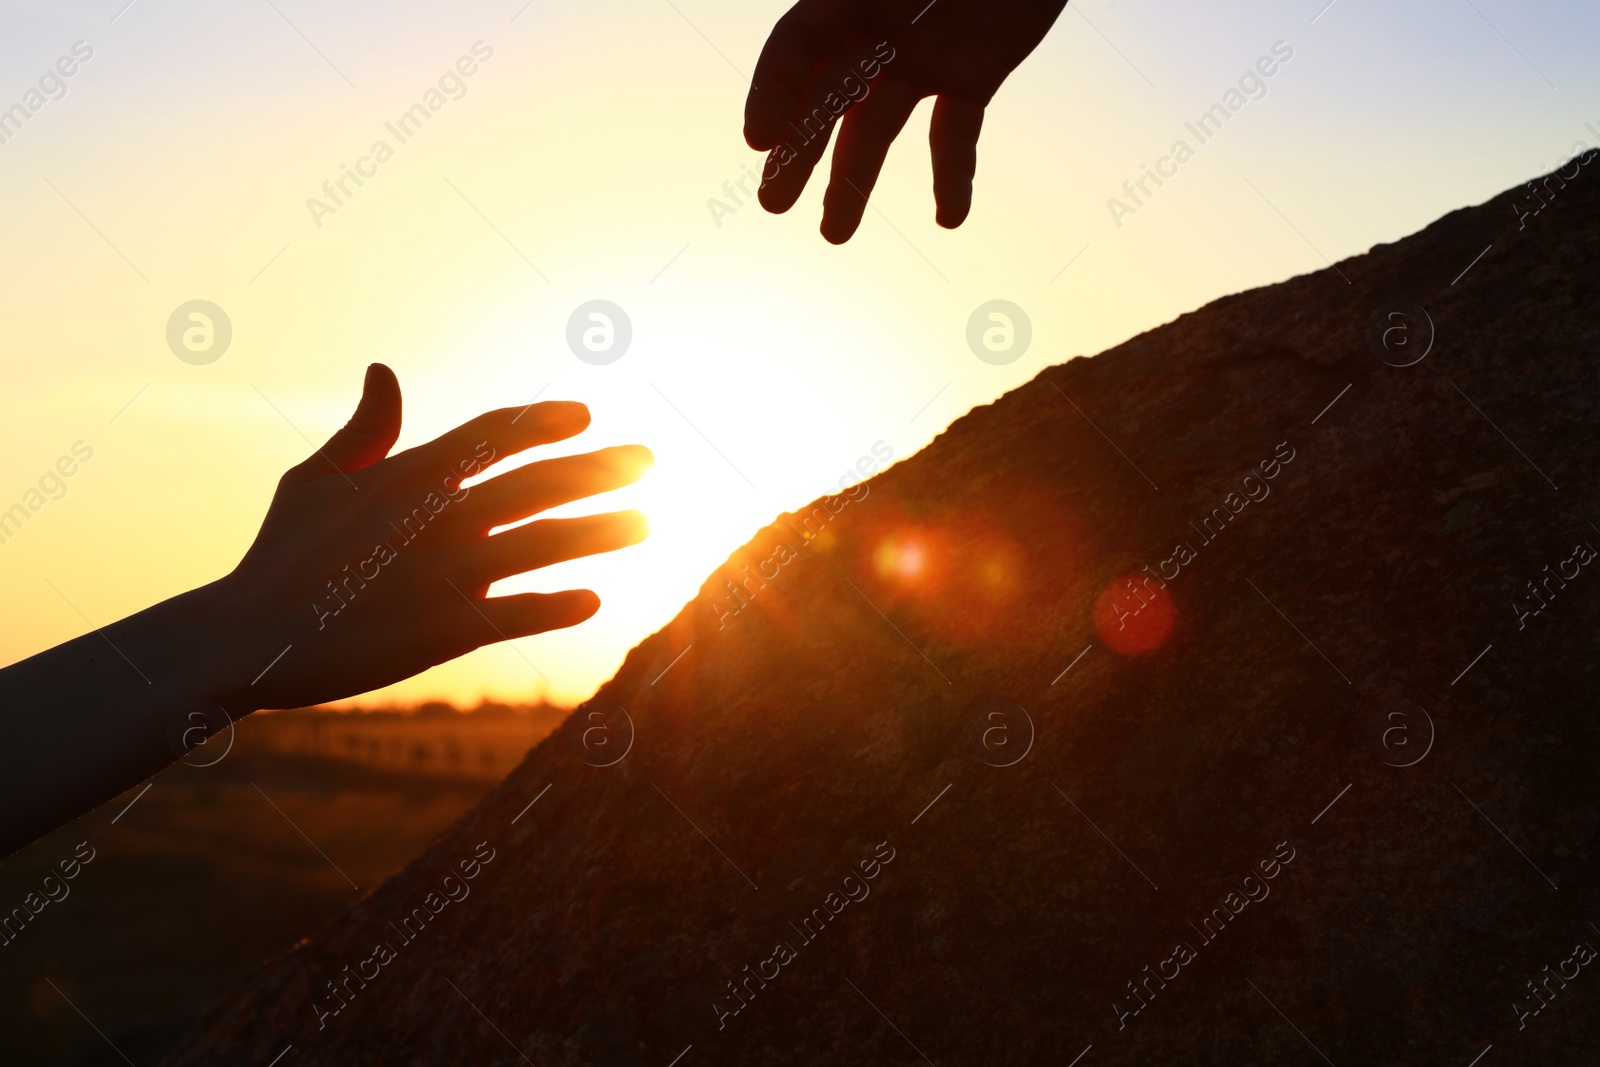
87,719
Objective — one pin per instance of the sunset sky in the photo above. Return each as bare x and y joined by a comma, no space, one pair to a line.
576,163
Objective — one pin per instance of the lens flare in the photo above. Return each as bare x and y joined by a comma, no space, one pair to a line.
903,558
1133,615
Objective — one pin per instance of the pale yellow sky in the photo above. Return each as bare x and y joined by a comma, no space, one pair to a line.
577,164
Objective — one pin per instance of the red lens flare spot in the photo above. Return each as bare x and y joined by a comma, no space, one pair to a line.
1133,615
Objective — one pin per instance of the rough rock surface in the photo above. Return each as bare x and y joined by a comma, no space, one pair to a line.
1348,688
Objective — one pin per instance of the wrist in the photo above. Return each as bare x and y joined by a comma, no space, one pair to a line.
231,630
201,649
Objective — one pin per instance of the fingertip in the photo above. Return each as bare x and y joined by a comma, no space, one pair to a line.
774,199
641,457
637,524
374,426
379,376
582,603
630,462
758,137
544,421
564,418
837,232
841,214
569,608
760,125
576,413
950,216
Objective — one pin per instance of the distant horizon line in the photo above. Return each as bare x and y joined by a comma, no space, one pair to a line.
431,707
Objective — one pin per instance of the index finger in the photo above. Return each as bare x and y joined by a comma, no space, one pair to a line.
806,35
494,435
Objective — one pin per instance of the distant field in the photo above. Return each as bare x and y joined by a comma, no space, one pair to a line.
215,868
435,740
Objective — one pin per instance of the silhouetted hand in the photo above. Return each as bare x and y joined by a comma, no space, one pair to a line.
368,569
871,61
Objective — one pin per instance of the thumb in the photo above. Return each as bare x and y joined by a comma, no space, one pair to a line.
369,434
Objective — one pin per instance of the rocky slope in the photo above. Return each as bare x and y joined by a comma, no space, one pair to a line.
1316,786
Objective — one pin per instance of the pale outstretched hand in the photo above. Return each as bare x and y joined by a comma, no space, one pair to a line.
871,61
